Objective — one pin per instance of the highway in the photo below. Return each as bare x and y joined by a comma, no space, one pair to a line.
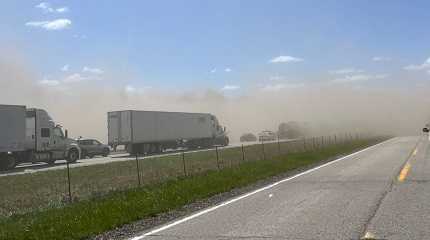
382,192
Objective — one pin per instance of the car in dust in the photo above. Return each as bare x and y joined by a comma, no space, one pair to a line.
266,136
92,147
248,137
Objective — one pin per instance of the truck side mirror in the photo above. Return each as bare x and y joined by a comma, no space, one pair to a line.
66,134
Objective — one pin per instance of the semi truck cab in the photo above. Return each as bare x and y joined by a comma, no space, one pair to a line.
47,139
219,132
42,139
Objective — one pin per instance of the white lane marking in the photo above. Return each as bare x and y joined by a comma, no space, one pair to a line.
157,230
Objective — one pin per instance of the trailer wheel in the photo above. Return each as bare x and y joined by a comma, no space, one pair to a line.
7,162
73,155
51,160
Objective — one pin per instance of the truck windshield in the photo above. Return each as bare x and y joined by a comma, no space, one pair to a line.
58,132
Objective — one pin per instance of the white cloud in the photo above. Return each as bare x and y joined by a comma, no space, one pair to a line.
69,79
50,83
65,68
44,6
227,70
230,87
58,24
381,59
62,9
75,77
280,86
213,70
286,59
423,66
358,78
47,8
133,90
346,71
92,70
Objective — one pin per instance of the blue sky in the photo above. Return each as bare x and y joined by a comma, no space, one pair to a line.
230,45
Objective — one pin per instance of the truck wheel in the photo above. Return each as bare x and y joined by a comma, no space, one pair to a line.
50,162
7,162
226,141
73,156
83,154
106,152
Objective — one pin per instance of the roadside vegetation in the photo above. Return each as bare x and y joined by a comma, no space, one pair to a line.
98,213
49,189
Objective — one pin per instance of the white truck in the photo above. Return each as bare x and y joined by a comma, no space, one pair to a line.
155,131
30,135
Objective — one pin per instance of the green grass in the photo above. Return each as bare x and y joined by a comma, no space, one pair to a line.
48,189
90,217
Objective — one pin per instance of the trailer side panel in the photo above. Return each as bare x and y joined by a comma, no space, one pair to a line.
12,128
154,126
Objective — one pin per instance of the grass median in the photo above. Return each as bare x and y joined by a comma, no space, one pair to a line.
87,218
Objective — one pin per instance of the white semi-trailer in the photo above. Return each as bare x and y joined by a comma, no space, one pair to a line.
155,131
30,135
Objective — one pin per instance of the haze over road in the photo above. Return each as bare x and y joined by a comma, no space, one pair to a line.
382,193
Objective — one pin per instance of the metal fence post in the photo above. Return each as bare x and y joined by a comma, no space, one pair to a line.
264,152
243,154
322,141
279,147
217,157
304,144
335,140
183,163
138,169
313,143
68,183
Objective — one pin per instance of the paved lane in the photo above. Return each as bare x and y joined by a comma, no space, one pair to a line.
337,201
404,212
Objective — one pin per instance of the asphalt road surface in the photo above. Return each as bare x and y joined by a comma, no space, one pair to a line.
382,192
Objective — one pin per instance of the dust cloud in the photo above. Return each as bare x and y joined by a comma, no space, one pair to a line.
326,108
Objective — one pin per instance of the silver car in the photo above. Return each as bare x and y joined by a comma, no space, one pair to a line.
92,147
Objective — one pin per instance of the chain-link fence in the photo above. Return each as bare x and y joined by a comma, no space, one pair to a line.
45,189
